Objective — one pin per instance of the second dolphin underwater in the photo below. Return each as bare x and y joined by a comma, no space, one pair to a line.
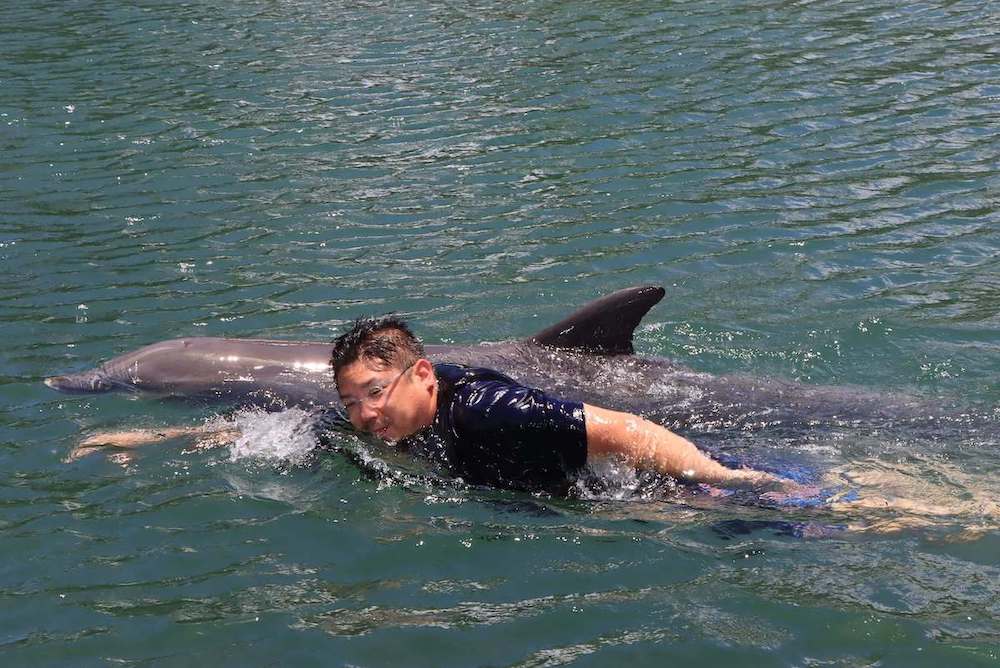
587,355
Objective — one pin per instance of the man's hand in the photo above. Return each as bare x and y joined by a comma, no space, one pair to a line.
795,494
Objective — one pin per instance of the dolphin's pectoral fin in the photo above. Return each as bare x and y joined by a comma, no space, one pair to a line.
604,325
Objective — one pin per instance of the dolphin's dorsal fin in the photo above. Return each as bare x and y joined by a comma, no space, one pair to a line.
604,325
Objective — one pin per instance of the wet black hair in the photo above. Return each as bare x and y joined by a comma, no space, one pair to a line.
383,342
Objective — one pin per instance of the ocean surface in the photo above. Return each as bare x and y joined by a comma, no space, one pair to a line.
816,185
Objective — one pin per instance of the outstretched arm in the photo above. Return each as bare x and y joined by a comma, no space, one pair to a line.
646,445
210,435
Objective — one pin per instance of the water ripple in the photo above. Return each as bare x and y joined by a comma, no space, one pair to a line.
814,182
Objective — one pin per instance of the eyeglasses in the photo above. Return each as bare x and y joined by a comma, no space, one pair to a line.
375,394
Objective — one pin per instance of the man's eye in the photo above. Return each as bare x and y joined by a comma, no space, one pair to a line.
375,391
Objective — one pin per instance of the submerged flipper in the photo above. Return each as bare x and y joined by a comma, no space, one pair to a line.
604,325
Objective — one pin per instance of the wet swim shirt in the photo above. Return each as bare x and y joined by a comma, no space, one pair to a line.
491,430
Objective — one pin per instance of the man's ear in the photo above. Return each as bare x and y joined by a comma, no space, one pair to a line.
423,371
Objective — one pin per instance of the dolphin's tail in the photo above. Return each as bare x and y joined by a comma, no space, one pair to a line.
88,382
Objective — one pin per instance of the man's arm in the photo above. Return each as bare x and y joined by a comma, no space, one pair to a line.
646,445
210,435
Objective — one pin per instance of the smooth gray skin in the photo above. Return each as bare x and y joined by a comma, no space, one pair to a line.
586,356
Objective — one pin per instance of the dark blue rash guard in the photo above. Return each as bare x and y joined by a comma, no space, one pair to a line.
491,430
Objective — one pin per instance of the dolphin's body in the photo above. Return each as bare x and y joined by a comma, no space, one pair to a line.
265,372
586,356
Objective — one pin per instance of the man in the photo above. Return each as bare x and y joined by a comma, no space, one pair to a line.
487,429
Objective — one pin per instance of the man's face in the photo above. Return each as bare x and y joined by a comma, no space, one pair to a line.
391,403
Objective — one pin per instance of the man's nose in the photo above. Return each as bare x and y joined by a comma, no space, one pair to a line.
367,413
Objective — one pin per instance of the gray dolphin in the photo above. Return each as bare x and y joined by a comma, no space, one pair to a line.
262,371
588,356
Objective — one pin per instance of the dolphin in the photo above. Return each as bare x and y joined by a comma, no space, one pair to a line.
588,355
266,372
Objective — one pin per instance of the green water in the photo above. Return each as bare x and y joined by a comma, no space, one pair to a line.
816,185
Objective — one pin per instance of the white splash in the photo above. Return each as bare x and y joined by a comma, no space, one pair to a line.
607,479
286,436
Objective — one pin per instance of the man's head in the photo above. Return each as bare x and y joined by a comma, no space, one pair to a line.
387,386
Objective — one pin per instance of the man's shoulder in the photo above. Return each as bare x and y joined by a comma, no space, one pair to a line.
456,376
486,404
470,395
